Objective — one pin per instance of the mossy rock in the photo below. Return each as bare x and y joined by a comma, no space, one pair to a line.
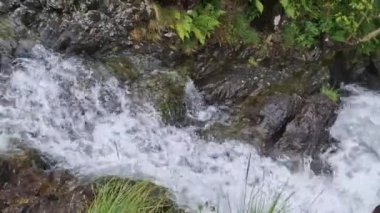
221,132
167,91
122,68
6,29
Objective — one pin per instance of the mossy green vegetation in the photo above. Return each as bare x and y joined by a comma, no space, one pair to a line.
123,68
341,22
124,196
307,23
6,29
167,92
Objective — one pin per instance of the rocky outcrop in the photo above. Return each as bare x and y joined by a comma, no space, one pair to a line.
233,75
81,26
348,68
27,184
307,132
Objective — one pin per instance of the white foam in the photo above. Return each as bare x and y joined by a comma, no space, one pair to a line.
94,128
4,145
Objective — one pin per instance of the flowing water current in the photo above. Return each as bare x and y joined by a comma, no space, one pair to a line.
95,127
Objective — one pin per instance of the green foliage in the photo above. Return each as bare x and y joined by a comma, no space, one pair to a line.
199,23
290,34
241,30
117,196
308,37
331,93
344,22
256,8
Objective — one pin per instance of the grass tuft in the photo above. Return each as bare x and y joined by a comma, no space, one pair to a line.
122,196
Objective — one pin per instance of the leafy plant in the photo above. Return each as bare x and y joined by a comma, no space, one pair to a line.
342,22
256,8
331,93
199,23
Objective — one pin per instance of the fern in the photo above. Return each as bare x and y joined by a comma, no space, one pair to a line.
183,26
203,26
200,23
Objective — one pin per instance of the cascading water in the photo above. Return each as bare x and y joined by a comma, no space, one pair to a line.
94,127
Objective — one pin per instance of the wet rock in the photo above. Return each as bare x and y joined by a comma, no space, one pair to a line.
33,4
277,112
3,8
27,185
226,75
25,16
55,4
377,209
348,68
166,90
122,68
308,132
6,56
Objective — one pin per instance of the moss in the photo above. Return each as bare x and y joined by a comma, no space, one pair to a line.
122,67
6,29
166,90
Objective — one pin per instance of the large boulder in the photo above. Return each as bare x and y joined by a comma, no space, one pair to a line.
308,132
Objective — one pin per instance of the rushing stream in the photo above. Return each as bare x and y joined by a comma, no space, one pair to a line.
95,127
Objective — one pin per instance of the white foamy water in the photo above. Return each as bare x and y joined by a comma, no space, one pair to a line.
94,127
4,146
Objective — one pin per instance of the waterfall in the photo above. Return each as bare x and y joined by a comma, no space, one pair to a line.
93,126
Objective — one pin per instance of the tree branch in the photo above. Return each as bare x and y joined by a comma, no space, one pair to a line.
370,36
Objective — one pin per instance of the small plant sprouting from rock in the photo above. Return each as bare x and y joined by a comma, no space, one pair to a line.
331,93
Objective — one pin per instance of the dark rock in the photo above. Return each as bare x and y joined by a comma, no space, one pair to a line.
308,132
32,4
6,54
266,20
25,16
226,75
277,112
348,68
87,26
94,15
6,6
3,8
377,209
55,4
